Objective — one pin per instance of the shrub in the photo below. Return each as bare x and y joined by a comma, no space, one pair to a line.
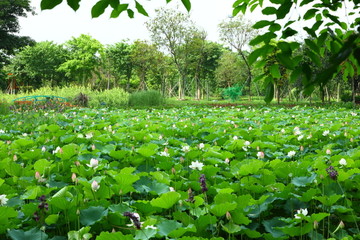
146,99
81,100
4,107
232,92
113,98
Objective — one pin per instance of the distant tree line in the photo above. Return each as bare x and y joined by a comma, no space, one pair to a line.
180,62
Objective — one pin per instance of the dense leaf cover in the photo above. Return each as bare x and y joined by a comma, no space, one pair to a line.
187,173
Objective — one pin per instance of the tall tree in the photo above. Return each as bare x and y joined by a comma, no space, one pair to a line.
171,30
120,64
84,58
236,32
143,58
10,10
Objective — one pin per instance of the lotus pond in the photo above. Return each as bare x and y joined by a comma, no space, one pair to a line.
184,173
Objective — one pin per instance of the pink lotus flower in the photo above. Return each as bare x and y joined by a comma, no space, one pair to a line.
260,155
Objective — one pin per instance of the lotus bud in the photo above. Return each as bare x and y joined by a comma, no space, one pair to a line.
73,177
228,215
316,225
95,186
37,175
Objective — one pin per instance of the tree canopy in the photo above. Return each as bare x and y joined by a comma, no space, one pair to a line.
10,10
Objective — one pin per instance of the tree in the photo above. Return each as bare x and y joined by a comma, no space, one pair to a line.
10,10
343,44
230,70
172,30
143,58
38,65
237,32
84,58
120,64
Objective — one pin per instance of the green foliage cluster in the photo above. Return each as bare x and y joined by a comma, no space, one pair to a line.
146,99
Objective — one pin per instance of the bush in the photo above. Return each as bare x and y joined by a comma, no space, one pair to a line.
146,99
347,97
113,98
4,108
232,92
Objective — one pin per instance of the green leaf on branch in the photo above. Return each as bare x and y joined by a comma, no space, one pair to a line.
285,60
74,4
99,8
266,38
288,32
312,45
141,9
187,4
118,10
114,3
269,90
284,9
130,13
269,11
275,71
262,23
49,4
310,13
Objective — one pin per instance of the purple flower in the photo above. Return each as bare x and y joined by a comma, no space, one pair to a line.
202,181
135,218
333,174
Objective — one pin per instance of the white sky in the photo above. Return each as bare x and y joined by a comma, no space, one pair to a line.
62,23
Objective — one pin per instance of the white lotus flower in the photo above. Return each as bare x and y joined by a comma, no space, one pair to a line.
164,154
201,145
3,199
326,132
196,165
89,135
343,162
235,138
301,211
94,163
291,153
247,143
57,150
186,148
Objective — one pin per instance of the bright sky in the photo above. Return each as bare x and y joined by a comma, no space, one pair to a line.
62,23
